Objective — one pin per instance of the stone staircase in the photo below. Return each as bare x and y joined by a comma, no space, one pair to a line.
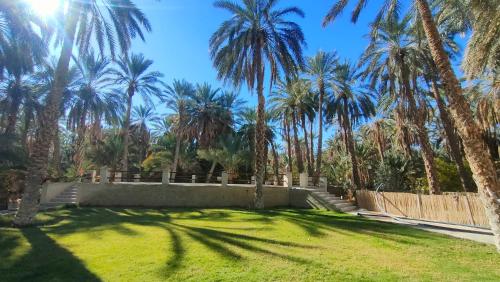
67,197
331,202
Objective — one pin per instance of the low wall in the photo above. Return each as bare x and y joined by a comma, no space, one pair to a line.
185,195
458,208
51,190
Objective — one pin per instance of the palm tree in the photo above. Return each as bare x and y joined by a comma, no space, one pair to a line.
18,61
92,102
210,115
321,68
256,32
292,100
349,104
142,116
393,58
482,166
178,98
82,21
134,75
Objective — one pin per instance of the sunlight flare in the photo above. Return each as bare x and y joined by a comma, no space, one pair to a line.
44,8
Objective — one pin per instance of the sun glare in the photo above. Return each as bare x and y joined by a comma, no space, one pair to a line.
44,7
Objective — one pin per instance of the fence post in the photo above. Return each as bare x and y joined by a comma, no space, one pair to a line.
471,217
93,174
193,178
118,177
419,204
252,180
303,180
165,176
104,175
224,179
137,177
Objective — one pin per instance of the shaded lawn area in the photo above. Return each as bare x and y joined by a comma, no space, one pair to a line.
93,244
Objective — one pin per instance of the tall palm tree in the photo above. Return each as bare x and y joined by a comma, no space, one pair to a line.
92,102
257,32
210,115
292,100
349,104
81,21
133,73
142,117
178,98
482,166
321,67
393,58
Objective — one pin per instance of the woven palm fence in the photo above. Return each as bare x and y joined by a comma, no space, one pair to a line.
461,208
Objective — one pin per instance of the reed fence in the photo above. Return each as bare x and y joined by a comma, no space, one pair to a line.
460,208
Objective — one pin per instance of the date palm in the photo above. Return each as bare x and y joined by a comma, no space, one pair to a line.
210,115
257,34
110,23
320,68
134,74
482,166
92,102
142,116
393,59
178,98
348,105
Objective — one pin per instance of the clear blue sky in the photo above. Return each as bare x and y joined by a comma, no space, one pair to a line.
182,28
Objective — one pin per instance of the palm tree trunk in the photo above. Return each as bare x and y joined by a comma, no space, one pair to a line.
176,156
14,108
211,171
37,168
126,133
308,154
260,131
482,167
320,127
56,154
311,137
453,141
349,139
28,115
298,151
276,163
288,144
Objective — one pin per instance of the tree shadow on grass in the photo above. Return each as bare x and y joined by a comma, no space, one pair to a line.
46,261
225,241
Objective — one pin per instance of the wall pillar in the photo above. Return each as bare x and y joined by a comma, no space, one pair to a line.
93,174
193,178
224,178
304,180
137,177
253,180
288,179
104,175
323,184
165,176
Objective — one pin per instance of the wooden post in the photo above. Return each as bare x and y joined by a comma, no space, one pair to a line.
469,211
419,205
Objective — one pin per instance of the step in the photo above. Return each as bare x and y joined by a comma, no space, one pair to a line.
342,205
335,202
348,208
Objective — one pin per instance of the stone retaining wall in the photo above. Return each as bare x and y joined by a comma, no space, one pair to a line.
187,195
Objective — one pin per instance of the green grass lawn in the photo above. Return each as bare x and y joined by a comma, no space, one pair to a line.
90,244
